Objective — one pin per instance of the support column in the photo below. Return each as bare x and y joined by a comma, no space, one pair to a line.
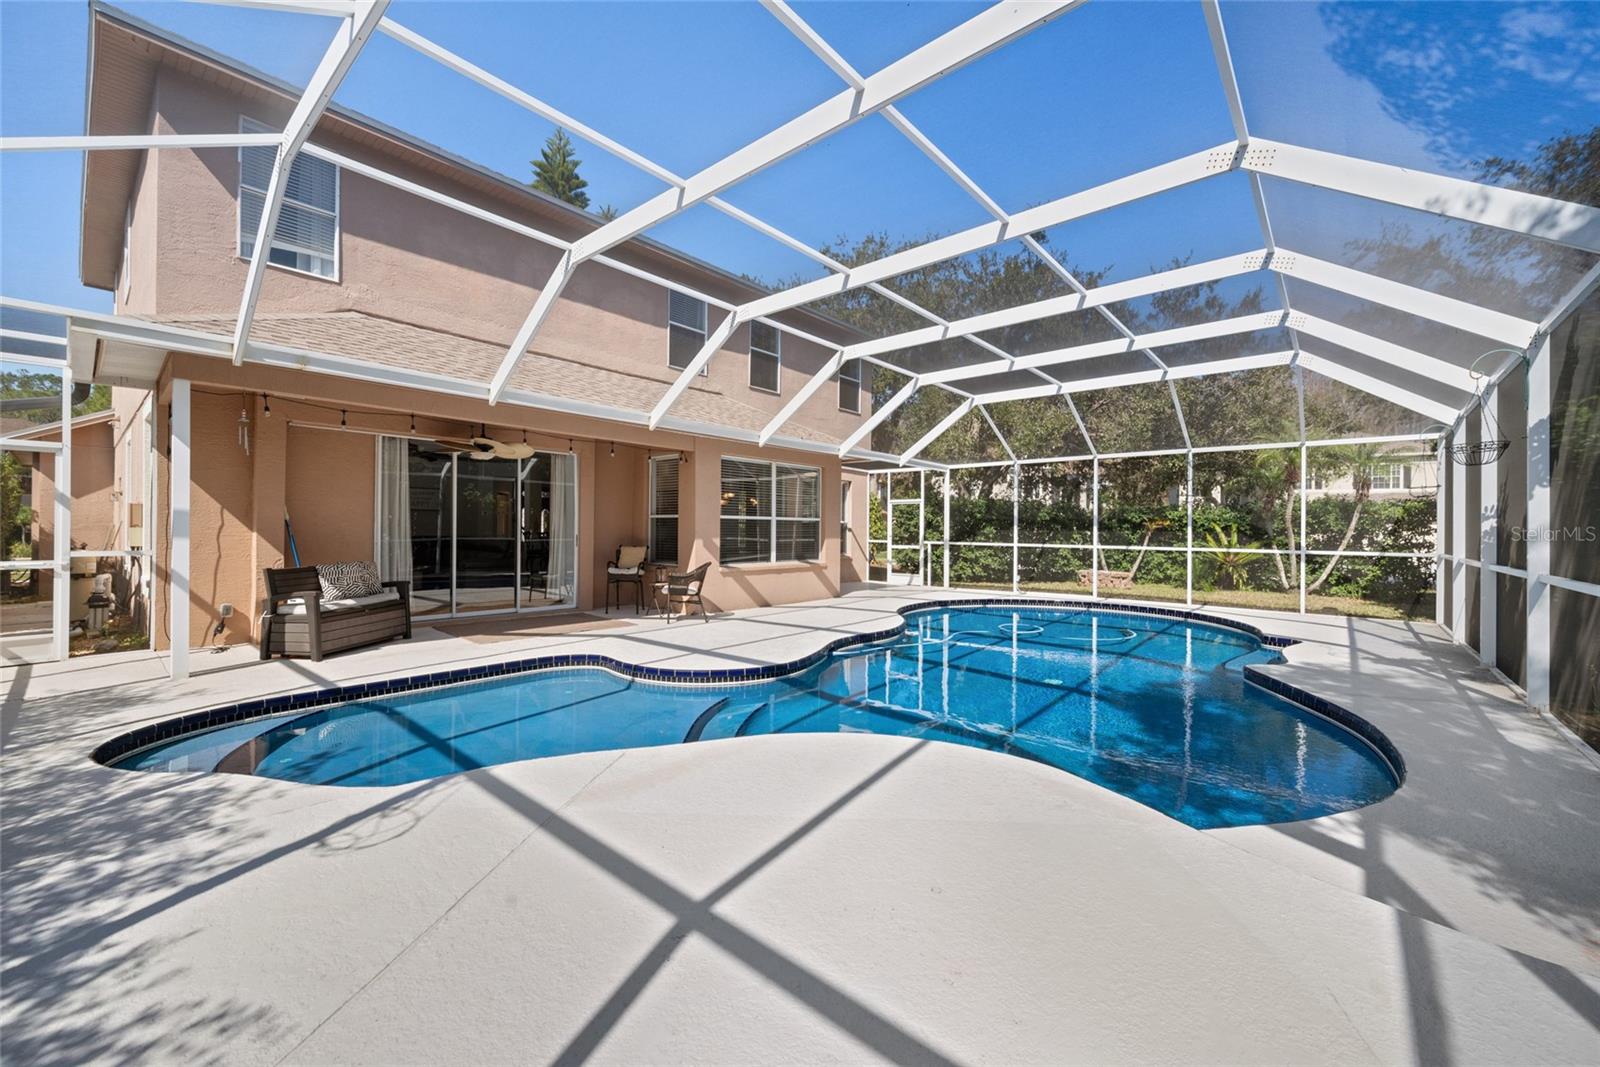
1540,506
1488,541
922,526
1015,504
1441,565
61,599
1188,537
949,475
178,569
1305,556
1094,536
1458,542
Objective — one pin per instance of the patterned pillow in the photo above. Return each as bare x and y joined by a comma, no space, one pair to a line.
344,581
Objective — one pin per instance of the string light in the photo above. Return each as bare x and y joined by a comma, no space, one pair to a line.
613,448
413,422
266,406
569,444
342,421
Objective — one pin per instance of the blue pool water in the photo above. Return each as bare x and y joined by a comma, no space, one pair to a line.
1155,708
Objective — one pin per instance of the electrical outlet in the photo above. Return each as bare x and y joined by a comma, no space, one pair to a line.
227,611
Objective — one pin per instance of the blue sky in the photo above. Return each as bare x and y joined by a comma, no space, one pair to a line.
1109,88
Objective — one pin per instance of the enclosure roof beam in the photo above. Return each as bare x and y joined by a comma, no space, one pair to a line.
1179,172
1507,329
1204,331
883,411
1558,221
984,411
353,32
1141,377
433,196
1459,378
139,142
560,118
977,37
1241,130
1378,387
956,415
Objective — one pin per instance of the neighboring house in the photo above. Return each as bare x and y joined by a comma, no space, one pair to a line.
292,463
1390,480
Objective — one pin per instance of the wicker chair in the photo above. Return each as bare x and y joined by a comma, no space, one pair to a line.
682,589
316,630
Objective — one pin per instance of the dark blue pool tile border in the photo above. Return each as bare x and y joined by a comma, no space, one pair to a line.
1335,712
225,715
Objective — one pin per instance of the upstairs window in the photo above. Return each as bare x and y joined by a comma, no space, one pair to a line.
686,329
664,508
766,356
850,386
307,235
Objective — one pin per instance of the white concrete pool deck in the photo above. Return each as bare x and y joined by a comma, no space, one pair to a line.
803,899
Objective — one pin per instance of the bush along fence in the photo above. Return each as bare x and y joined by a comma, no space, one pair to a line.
1242,541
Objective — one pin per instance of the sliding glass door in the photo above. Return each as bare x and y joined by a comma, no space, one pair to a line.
486,534
477,535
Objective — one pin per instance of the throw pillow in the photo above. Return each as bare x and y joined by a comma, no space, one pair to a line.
345,581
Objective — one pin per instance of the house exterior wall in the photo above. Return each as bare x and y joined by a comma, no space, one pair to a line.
405,258
300,460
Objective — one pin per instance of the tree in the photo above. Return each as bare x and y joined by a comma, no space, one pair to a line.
556,171
608,212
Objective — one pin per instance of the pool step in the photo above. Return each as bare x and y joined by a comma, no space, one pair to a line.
724,719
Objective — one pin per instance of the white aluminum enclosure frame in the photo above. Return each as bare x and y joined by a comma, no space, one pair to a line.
1571,225
354,30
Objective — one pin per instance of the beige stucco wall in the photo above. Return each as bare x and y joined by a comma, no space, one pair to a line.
325,478
330,482
408,259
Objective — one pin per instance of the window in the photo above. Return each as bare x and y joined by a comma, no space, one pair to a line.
1318,481
770,512
850,386
766,356
307,235
1388,476
844,518
686,329
663,536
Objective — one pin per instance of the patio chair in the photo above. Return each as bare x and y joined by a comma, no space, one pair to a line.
682,590
626,568
299,622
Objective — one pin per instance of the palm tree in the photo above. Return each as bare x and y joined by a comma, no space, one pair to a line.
1358,460
1232,562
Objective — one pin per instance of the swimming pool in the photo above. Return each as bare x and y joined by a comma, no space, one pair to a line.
1154,707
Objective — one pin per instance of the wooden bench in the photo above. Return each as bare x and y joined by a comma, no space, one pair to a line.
314,629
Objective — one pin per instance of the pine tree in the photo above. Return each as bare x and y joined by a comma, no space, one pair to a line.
556,171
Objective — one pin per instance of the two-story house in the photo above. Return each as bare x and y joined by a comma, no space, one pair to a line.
350,433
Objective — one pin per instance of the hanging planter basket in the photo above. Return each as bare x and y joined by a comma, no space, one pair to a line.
1476,454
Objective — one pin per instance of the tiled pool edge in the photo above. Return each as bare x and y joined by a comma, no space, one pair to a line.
1335,713
108,752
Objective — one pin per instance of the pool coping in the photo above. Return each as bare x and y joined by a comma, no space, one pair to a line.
131,742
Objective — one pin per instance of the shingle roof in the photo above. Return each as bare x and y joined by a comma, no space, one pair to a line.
390,343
